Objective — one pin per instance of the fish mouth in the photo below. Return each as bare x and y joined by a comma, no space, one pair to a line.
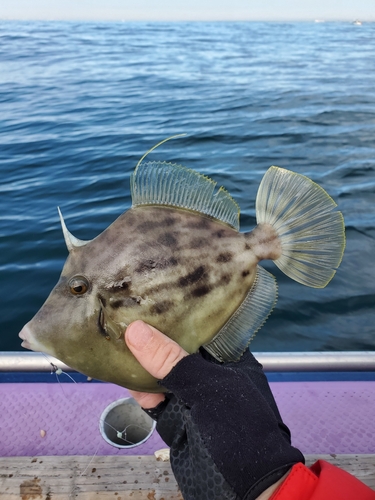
32,343
23,335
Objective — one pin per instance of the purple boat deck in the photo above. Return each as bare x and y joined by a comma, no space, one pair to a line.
324,417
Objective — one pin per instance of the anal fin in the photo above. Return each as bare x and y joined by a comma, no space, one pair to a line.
234,337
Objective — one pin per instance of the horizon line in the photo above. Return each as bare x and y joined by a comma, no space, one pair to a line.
164,20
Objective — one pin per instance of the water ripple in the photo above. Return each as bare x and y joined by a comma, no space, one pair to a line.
81,102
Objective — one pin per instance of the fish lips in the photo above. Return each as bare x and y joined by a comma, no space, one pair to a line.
25,335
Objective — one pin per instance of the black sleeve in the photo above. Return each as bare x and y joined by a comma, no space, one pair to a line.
226,435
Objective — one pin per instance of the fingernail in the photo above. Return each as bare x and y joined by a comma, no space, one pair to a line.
139,334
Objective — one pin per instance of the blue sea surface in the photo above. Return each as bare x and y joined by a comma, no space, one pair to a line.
80,103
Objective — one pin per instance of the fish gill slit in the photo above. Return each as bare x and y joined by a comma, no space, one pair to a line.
101,323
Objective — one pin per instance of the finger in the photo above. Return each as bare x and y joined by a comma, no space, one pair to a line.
156,352
147,400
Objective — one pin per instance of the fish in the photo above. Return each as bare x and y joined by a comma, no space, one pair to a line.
177,260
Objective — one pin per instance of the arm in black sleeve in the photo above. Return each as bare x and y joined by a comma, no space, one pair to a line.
226,435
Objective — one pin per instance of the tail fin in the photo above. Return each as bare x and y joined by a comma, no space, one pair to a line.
312,235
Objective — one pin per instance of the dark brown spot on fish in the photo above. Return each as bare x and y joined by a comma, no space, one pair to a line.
116,304
219,234
225,279
198,242
167,240
245,273
161,307
247,246
130,218
132,301
126,302
146,265
192,277
201,291
224,257
164,263
149,225
146,226
171,262
169,221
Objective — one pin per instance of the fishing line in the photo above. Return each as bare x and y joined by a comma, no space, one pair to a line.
92,458
124,432
58,371
121,435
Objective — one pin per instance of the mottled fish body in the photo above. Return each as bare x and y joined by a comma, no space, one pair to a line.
181,271
177,260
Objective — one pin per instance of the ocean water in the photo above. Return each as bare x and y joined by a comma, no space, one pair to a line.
81,102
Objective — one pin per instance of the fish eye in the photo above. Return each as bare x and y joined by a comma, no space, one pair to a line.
78,285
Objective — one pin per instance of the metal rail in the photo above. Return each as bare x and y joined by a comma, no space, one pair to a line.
348,361
340,361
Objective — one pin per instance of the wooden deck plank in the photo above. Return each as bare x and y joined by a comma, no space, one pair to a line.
360,466
119,477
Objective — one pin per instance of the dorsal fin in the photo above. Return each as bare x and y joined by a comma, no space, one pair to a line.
162,183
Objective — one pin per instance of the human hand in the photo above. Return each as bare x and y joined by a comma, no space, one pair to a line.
156,352
220,420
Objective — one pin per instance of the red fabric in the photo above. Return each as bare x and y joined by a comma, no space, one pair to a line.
323,481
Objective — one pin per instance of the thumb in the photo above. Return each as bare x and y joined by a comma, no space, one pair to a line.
156,352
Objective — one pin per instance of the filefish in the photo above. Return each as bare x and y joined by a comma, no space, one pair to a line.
177,260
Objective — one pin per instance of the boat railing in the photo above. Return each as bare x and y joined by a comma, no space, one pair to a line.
332,361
